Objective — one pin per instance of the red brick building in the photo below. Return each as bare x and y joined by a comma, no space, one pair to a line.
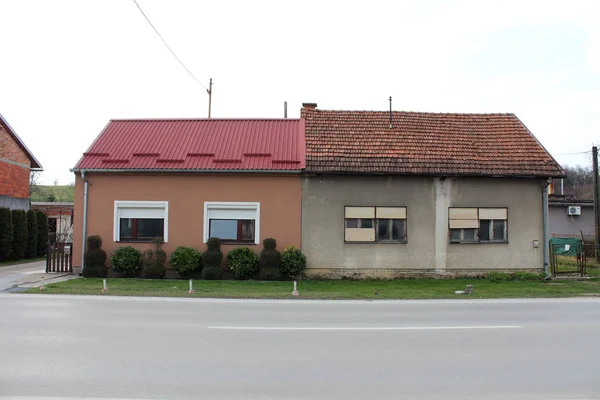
16,162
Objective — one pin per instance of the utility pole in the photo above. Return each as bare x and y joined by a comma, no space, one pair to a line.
596,200
209,90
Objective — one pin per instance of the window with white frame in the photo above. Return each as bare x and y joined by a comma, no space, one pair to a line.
375,224
478,225
232,222
140,221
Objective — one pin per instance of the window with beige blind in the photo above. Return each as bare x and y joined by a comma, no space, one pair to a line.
375,224
478,225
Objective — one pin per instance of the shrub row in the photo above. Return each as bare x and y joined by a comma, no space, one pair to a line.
186,261
22,234
498,276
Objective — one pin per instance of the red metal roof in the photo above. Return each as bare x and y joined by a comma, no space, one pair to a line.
423,143
198,144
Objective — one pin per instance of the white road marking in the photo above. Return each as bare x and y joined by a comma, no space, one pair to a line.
359,328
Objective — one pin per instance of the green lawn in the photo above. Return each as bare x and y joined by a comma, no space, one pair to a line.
61,193
339,289
28,260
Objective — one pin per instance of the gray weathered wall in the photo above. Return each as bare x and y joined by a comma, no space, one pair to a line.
14,203
562,224
427,200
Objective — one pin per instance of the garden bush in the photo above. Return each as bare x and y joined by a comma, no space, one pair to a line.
212,273
127,261
6,233
213,257
94,259
186,260
32,234
293,262
154,260
42,238
497,276
270,261
243,262
19,244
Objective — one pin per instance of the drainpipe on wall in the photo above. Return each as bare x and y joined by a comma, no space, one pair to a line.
85,206
545,227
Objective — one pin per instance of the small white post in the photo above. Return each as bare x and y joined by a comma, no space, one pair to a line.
191,291
43,287
104,287
295,292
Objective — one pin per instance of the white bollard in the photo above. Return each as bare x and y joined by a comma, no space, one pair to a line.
295,292
104,287
191,291
43,287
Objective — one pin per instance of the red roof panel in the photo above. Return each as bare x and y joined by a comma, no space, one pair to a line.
198,144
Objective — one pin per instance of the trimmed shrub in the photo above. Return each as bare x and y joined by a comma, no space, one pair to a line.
212,273
6,233
269,274
42,238
243,262
154,260
497,276
213,257
293,262
126,260
19,244
270,260
186,260
94,259
32,234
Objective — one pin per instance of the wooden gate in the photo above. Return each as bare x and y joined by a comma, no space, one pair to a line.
59,257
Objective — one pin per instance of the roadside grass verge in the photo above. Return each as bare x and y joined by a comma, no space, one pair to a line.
25,261
330,289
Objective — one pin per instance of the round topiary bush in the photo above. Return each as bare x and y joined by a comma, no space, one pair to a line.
94,259
213,257
270,261
293,262
269,274
186,260
212,273
243,262
154,260
126,261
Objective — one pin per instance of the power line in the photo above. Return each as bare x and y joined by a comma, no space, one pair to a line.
572,154
168,47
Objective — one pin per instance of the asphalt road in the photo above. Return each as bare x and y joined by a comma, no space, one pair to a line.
11,275
112,347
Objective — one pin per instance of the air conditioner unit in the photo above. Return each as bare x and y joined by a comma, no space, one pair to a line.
574,210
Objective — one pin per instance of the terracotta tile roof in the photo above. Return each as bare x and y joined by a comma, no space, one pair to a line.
198,144
423,143
35,164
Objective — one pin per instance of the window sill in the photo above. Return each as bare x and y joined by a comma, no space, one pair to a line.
388,242
238,243
134,241
482,242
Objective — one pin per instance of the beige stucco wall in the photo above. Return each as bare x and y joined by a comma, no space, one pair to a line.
279,197
427,200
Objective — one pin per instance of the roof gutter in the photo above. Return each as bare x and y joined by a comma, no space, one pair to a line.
85,209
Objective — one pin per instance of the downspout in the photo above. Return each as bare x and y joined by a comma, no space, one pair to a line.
85,207
545,227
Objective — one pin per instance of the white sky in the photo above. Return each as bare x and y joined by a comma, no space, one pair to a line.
67,67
